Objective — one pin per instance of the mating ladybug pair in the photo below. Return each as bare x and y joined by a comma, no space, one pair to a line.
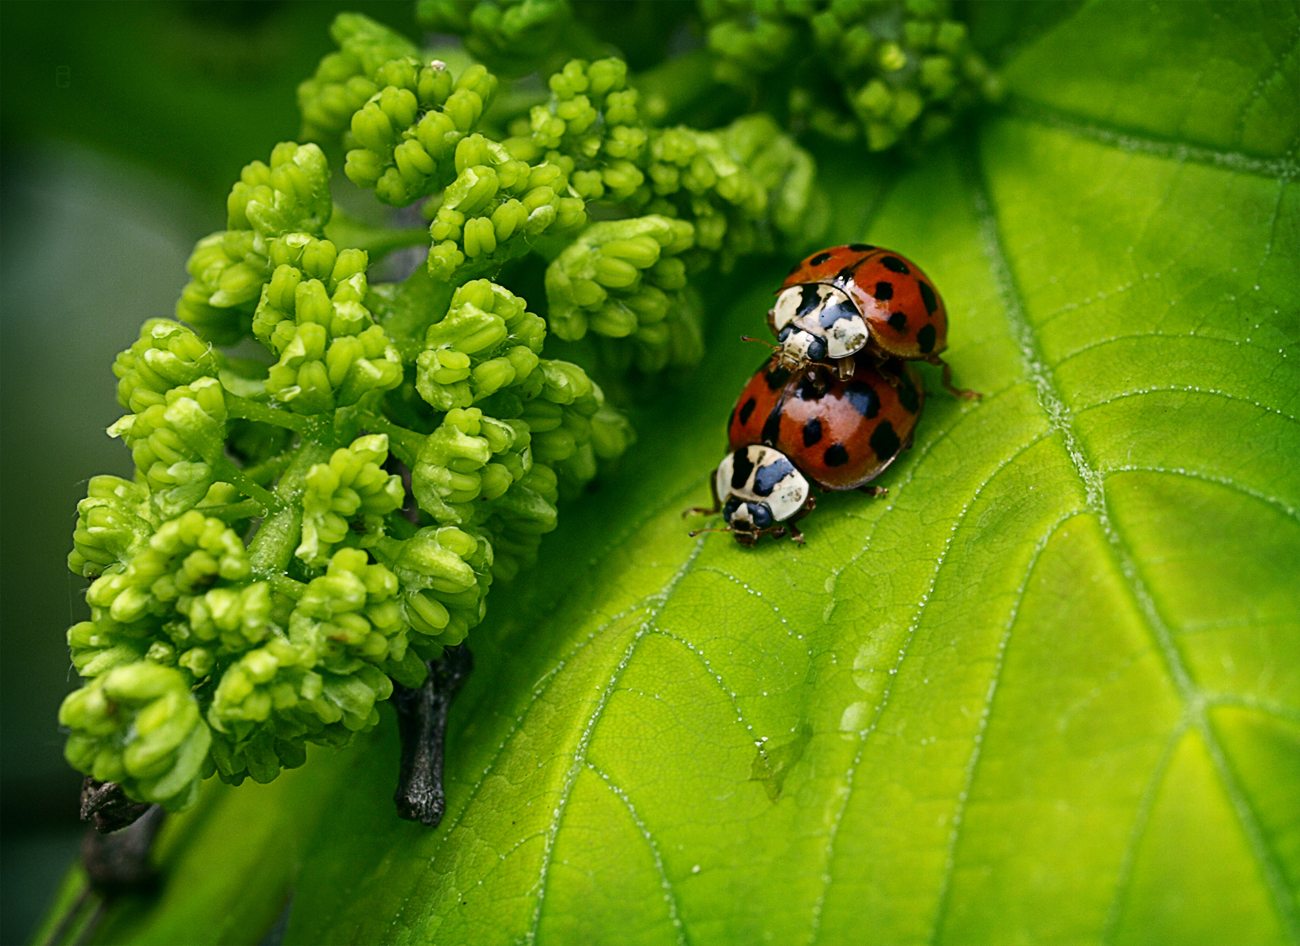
837,402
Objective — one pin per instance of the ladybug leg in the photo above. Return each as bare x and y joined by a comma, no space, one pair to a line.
796,534
874,490
700,510
846,368
947,381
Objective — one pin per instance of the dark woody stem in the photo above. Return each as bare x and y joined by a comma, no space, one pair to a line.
106,806
422,723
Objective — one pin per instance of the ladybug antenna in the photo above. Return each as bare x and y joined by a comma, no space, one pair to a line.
761,341
699,531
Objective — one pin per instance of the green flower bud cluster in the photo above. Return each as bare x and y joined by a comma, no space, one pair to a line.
407,133
137,722
444,573
591,128
624,279
513,36
495,469
139,725
113,522
488,340
352,484
313,316
166,355
345,80
905,67
228,269
745,188
496,205
318,676
177,444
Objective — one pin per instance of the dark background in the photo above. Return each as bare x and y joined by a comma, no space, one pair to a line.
122,127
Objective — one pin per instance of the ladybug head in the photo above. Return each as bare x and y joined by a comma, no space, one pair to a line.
748,520
799,348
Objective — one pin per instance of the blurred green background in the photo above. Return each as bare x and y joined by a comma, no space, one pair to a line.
122,127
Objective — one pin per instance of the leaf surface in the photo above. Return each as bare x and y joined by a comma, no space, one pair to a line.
1048,690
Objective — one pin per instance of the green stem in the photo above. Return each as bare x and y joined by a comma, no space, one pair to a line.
233,512
237,406
406,444
347,232
407,309
226,470
287,586
273,546
264,473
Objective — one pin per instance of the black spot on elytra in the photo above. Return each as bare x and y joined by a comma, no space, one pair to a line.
747,410
772,426
928,297
925,338
741,467
884,441
812,432
897,321
836,455
861,247
863,398
884,291
808,298
907,395
776,378
768,476
819,259
894,265
834,312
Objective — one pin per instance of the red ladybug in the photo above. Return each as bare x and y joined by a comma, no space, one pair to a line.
854,298
787,431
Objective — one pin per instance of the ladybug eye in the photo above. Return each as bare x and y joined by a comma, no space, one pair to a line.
761,514
784,333
817,349
729,510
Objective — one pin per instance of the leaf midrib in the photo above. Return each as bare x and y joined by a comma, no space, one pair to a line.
1060,418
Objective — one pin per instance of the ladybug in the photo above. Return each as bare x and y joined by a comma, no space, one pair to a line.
788,431
765,494
858,297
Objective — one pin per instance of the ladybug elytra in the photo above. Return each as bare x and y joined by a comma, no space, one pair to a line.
858,297
788,431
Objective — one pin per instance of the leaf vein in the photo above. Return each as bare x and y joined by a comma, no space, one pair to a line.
1102,342
584,741
893,676
1186,389
1284,168
950,861
1209,478
761,597
670,898
1141,818
1060,418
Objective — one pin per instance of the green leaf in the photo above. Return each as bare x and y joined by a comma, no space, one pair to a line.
1048,690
